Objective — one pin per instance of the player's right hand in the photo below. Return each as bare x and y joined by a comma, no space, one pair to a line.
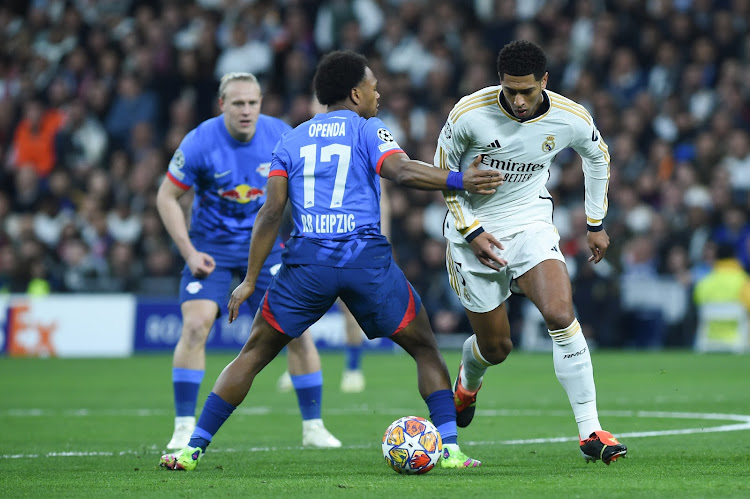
484,248
239,295
481,181
201,264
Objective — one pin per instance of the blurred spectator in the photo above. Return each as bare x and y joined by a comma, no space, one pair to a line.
727,283
241,54
737,162
50,219
188,84
82,142
27,190
34,138
345,24
735,231
161,274
124,225
643,317
132,105
83,272
7,120
125,272
7,264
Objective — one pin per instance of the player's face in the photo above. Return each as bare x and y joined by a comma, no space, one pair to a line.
368,95
241,107
523,93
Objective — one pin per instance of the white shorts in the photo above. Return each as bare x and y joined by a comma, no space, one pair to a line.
482,289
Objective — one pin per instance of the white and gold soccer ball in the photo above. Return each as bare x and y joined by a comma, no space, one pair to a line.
412,445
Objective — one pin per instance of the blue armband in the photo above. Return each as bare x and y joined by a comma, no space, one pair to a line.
595,228
455,181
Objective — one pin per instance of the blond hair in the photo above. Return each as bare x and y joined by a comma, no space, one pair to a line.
235,76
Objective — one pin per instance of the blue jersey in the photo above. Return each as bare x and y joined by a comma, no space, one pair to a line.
332,163
230,184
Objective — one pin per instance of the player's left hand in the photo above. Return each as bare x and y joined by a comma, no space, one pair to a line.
483,246
239,295
598,243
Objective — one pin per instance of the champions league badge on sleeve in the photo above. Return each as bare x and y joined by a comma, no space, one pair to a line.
385,135
387,138
447,131
178,161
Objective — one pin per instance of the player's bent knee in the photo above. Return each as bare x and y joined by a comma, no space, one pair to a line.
195,332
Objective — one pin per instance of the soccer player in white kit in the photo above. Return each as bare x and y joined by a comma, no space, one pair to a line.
506,242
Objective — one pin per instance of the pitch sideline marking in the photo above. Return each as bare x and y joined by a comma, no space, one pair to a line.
743,424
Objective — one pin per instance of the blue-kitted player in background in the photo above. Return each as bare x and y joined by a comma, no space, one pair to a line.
329,168
226,160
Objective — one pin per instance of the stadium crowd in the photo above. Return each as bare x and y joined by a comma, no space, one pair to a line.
96,96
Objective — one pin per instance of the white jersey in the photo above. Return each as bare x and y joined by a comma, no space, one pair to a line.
523,152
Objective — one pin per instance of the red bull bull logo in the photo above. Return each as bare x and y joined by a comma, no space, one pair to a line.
242,193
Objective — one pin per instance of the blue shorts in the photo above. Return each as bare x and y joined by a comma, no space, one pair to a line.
381,299
217,286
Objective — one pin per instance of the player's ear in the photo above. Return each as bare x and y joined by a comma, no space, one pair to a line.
354,95
544,80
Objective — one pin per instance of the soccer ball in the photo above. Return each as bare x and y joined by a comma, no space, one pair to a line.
412,445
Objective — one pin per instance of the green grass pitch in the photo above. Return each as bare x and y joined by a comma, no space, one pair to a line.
96,428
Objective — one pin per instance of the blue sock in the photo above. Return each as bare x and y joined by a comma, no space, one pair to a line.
443,414
353,357
215,411
186,383
309,388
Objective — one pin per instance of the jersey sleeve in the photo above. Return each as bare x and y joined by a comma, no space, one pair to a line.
594,152
379,142
280,161
186,161
452,143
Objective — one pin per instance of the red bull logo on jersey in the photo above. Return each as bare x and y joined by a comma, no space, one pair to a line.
242,193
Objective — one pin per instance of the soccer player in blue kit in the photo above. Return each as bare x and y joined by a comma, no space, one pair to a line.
227,159
329,167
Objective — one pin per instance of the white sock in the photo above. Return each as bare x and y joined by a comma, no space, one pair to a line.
572,361
188,421
312,424
474,365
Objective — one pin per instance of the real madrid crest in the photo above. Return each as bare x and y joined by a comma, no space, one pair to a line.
548,144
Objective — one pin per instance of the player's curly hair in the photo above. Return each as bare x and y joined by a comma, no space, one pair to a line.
338,72
521,58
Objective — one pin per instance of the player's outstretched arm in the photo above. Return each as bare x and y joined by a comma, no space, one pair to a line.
173,217
403,170
265,232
